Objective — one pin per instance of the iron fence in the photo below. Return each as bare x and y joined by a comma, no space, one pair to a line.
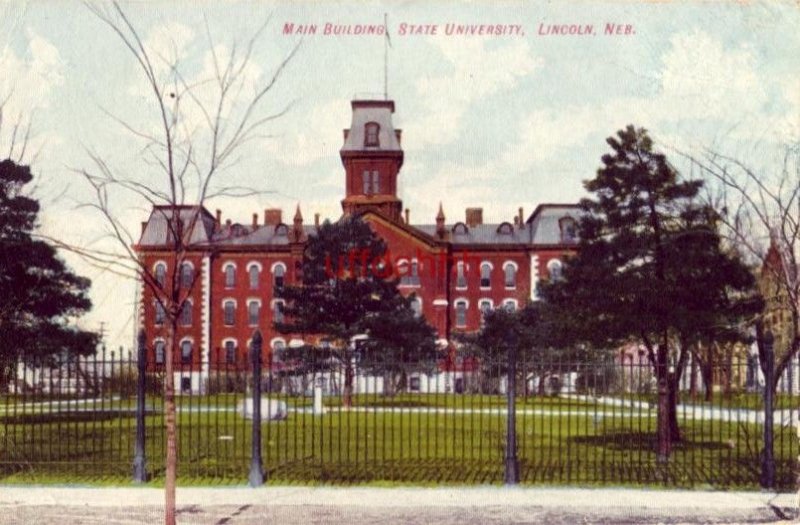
576,422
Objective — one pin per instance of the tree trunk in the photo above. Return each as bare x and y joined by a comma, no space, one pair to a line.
663,417
171,460
708,382
347,400
674,429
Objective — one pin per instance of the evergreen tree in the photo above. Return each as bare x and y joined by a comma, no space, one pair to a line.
651,268
39,295
350,301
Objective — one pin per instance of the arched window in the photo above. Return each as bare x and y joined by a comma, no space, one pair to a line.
460,229
510,274
505,229
187,275
485,306
230,275
229,312
510,304
277,311
253,273
416,306
461,313
281,230
461,278
161,313
186,313
371,134
161,274
569,230
186,351
278,275
230,352
554,268
253,312
486,275
159,352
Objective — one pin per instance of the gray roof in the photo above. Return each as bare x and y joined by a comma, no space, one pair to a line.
379,111
544,226
480,234
156,231
241,235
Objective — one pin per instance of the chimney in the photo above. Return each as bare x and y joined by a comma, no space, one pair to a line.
516,220
228,223
474,216
219,217
272,216
316,220
521,218
407,217
255,221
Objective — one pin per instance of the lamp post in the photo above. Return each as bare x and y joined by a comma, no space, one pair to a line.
511,461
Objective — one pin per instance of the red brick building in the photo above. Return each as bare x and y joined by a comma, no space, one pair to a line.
456,267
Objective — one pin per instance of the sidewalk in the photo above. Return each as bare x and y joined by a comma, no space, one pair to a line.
474,505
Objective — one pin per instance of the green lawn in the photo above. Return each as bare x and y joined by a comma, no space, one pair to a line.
394,446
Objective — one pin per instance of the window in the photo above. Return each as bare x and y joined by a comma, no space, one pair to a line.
461,279
278,274
555,268
253,272
486,273
186,313
161,313
230,276
371,182
229,311
230,352
371,131
186,352
461,314
187,275
414,384
277,311
278,348
409,272
460,229
505,229
159,351
186,385
416,306
376,182
485,306
510,274
569,230
510,305
161,274
253,311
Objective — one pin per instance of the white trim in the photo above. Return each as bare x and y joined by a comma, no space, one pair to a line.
186,338
509,300
190,263
205,316
534,277
229,340
250,264
459,299
489,263
229,299
440,302
276,264
511,263
277,340
160,261
484,300
253,300
228,263
296,343
273,302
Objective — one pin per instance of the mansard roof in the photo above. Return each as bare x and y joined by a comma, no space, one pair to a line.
543,224
156,232
479,234
378,111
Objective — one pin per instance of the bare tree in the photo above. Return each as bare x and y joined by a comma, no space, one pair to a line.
760,215
202,126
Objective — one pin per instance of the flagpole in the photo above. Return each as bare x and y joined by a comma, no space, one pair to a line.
385,59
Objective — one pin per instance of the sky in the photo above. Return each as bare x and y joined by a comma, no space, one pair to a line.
494,121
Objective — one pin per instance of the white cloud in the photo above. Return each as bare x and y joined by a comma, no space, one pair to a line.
473,74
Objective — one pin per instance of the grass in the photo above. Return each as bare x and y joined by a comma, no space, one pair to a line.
395,446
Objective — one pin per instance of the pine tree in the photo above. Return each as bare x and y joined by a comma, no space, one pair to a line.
349,300
39,295
651,268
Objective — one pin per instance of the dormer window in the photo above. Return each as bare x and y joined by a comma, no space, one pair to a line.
460,229
505,229
371,131
569,230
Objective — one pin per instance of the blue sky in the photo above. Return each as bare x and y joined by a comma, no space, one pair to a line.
498,122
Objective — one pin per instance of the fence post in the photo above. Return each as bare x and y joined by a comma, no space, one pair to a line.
256,473
139,459
511,463
768,454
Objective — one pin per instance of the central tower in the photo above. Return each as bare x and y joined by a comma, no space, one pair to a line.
372,158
